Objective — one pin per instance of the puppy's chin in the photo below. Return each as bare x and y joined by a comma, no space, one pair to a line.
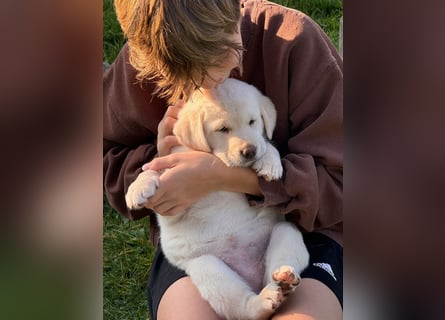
235,162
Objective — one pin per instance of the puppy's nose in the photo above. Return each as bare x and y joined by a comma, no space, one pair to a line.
248,152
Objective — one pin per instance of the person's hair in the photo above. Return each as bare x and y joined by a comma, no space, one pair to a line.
175,42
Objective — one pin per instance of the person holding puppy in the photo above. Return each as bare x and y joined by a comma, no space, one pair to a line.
177,46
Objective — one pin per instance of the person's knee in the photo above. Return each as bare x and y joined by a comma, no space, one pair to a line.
312,300
182,300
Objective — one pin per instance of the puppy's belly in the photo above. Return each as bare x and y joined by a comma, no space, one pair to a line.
243,251
223,225
246,258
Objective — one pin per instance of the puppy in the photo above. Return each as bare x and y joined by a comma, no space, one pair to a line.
243,260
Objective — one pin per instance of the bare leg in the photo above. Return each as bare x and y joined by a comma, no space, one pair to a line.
312,300
228,293
182,301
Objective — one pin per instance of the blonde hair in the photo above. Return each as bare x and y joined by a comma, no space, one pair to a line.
175,42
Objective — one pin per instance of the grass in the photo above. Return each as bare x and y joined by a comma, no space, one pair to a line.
113,39
325,12
126,261
127,251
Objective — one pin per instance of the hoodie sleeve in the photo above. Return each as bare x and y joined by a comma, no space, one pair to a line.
303,76
131,116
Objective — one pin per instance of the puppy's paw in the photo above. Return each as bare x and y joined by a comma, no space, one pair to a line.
263,305
271,297
142,189
269,167
286,278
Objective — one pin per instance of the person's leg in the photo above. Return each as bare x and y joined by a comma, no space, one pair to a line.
320,294
312,300
182,301
172,295
225,291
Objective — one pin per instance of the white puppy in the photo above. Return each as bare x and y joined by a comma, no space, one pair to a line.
243,260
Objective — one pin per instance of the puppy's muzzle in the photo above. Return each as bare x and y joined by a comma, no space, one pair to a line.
248,152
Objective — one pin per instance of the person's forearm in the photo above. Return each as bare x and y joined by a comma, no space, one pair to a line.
121,167
211,173
243,180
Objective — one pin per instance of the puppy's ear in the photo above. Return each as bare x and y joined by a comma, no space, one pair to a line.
269,115
189,129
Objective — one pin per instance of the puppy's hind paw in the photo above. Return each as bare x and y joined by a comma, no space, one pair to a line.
263,305
286,278
272,297
142,189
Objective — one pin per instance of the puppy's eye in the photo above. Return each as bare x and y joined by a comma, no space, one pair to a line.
223,130
251,122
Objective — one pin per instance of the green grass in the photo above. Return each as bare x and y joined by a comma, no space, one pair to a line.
113,39
127,251
126,261
325,12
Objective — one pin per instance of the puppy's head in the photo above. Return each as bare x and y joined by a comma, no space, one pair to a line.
231,122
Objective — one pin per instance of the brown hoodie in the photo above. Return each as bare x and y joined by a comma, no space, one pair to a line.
292,61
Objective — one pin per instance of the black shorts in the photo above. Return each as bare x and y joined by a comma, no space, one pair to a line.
325,265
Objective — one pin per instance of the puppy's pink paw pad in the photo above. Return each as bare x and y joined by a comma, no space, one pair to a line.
286,278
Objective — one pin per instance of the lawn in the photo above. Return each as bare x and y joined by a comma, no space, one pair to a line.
127,251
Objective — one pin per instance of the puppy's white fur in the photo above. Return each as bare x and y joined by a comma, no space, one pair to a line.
243,260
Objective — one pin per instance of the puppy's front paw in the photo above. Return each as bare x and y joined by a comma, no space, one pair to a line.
269,167
142,189
286,278
268,170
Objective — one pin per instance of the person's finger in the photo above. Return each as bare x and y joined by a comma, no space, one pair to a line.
179,103
159,203
165,146
163,208
175,211
160,163
170,142
173,110
167,209
157,199
165,127
146,166
163,163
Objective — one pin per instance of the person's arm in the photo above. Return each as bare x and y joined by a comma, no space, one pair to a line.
303,76
219,177
131,116
310,191
191,176
243,180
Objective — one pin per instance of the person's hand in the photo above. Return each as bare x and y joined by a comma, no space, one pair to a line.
166,139
190,176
